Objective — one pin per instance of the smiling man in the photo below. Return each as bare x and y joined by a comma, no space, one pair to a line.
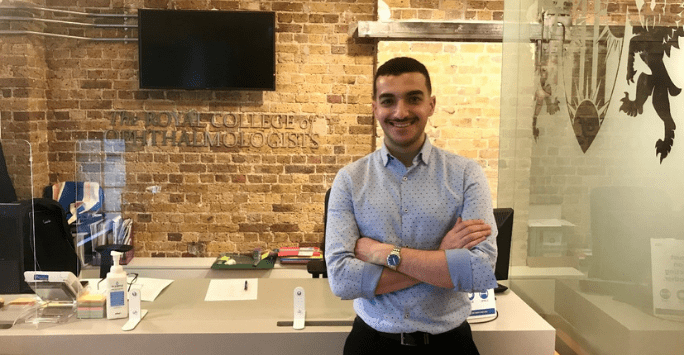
410,229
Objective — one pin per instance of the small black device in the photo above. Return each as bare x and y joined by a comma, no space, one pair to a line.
206,50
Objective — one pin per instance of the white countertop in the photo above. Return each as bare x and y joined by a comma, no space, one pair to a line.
180,321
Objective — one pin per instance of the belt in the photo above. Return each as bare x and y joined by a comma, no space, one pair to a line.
409,339
415,338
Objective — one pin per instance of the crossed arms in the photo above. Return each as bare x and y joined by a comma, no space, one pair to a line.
428,266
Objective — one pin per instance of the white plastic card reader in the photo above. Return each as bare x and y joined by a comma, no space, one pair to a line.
58,292
54,285
483,306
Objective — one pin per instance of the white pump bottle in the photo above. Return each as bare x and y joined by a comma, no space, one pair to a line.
117,295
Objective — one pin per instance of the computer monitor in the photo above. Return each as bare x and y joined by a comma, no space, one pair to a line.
504,224
12,248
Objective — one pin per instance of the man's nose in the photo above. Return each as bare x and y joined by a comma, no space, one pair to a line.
401,109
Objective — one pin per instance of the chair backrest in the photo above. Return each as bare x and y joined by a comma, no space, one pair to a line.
54,248
51,250
318,268
504,223
325,218
76,197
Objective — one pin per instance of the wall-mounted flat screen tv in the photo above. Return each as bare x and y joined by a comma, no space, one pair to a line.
206,50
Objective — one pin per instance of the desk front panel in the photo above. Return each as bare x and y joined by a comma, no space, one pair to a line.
180,321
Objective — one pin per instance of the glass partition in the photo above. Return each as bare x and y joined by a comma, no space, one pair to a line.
591,164
100,179
36,237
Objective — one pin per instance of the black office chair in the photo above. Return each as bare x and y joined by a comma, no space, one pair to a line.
46,245
504,223
317,268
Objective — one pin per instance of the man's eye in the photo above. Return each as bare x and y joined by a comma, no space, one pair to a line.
386,102
414,100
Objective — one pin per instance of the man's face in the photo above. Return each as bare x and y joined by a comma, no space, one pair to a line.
402,106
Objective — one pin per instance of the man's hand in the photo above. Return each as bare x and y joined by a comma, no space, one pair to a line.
466,234
372,251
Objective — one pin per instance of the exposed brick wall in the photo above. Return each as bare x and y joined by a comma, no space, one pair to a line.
445,10
233,198
23,112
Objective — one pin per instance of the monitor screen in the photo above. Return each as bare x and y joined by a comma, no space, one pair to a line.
210,50
12,244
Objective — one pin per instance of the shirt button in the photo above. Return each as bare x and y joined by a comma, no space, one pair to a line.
405,178
405,209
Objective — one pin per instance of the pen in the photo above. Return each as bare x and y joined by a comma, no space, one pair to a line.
245,285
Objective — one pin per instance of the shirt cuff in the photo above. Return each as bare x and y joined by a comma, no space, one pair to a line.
369,279
469,273
459,268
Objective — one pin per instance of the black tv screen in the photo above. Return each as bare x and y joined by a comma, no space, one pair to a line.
211,50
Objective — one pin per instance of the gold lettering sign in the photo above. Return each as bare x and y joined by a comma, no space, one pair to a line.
192,129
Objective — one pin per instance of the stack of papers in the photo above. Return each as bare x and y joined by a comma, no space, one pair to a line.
299,255
121,230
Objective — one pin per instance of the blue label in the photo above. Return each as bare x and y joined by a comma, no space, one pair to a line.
482,312
117,298
40,277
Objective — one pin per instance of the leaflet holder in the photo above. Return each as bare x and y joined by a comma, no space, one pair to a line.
58,293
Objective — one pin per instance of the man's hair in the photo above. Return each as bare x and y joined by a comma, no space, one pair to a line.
401,65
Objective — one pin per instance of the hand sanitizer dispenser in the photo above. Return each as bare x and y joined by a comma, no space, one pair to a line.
117,298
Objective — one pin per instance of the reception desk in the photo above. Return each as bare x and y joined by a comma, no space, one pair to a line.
179,321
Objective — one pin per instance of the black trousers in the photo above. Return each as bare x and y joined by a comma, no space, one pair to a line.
365,340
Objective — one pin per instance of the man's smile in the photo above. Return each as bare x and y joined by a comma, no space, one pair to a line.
402,123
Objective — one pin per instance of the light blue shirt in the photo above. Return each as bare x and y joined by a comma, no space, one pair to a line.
415,207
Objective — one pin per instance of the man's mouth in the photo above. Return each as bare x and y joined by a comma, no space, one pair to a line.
402,124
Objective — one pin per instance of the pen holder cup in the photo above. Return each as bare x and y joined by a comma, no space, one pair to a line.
105,253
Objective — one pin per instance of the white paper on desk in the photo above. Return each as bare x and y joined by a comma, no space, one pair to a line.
149,288
232,290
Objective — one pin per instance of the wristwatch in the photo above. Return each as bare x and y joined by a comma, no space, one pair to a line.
394,258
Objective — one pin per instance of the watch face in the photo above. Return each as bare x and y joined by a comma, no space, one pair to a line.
393,260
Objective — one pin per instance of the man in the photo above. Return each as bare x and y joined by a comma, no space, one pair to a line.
410,229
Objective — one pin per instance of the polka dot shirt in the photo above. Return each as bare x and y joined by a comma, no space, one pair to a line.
378,197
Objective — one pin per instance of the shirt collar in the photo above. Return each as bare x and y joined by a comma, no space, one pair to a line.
423,155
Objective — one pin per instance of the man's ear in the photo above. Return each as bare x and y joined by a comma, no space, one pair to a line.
433,104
